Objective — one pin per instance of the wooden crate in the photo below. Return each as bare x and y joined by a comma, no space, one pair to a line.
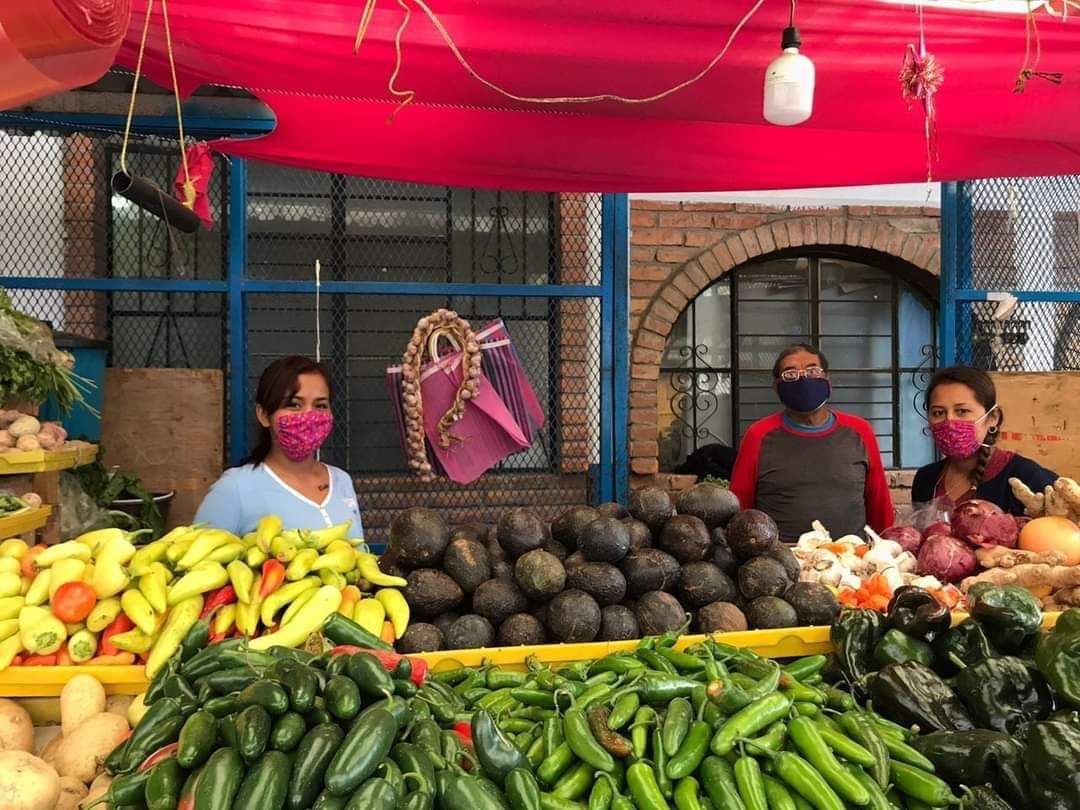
1041,419
166,426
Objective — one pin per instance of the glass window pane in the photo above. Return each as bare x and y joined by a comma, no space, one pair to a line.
677,351
856,318
843,279
782,279
916,321
869,396
916,446
858,352
712,326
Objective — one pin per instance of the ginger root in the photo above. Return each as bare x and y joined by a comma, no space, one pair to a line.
1002,557
1034,502
1068,491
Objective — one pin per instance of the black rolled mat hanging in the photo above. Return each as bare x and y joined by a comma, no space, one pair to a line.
152,199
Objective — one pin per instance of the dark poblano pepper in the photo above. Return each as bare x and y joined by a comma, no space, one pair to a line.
978,758
1058,656
854,635
911,694
983,798
916,613
1053,751
1010,614
1002,694
895,648
966,643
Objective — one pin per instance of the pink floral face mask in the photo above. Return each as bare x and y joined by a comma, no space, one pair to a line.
301,434
957,438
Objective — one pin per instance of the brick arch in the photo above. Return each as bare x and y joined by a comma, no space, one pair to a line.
685,282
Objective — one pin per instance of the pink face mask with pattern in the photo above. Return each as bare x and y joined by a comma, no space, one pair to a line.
301,434
958,438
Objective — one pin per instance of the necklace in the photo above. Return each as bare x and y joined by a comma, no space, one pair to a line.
943,485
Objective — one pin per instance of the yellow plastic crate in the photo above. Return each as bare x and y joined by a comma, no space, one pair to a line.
788,642
48,681
23,522
39,461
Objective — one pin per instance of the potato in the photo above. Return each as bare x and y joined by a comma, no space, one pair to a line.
16,727
98,788
27,783
118,704
48,751
82,697
72,791
83,750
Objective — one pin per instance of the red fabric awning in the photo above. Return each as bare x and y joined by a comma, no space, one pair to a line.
332,107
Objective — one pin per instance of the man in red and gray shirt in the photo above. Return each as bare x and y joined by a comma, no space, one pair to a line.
810,462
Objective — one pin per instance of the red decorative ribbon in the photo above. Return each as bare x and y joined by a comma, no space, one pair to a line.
193,192
920,78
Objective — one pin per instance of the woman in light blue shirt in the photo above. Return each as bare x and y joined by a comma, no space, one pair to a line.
283,475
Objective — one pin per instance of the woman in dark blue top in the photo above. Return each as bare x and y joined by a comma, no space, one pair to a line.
965,421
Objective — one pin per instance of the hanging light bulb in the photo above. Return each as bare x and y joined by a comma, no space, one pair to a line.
789,81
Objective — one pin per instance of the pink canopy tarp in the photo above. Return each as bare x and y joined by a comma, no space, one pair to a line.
332,106
47,46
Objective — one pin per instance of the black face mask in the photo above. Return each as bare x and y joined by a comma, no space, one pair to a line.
804,395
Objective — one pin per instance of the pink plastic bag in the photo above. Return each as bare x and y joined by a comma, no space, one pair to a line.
486,433
503,368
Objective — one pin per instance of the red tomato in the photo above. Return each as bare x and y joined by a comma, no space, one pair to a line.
73,602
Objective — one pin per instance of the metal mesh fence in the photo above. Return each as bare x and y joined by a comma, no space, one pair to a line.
1021,234
557,341
58,219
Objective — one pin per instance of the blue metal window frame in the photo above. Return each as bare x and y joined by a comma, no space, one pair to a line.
613,289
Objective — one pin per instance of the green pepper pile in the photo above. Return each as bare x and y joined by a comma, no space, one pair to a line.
709,727
994,698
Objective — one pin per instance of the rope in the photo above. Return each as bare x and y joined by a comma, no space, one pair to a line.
135,88
407,96
1028,70
318,312
189,188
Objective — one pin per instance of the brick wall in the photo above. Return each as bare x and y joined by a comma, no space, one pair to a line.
677,250
86,201
578,326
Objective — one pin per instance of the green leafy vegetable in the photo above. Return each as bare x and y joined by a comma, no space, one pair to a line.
31,367
106,486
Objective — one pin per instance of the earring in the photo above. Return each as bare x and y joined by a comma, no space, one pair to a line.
993,430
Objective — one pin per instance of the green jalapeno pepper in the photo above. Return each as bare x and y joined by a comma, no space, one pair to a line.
660,764
805,780
807,739
718,778
582,742
751,785
676,725
644,719
692,751
623,712
643,787
922,785
750,720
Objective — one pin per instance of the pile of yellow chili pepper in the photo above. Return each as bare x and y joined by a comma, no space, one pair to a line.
102,599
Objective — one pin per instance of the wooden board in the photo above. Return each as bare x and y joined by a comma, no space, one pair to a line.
167,426
1042,418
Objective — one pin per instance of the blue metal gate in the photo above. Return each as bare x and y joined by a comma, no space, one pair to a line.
1010,282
